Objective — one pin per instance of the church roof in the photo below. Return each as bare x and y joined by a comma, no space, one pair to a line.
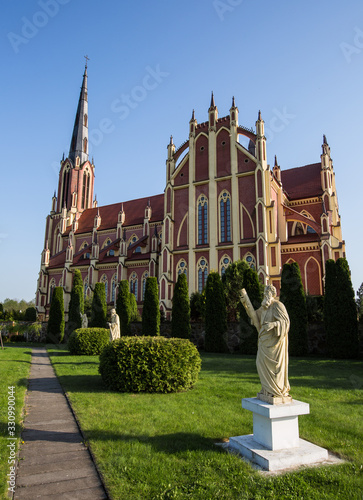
302,182
134,214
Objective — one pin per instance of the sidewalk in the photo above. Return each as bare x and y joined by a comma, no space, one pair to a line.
53,461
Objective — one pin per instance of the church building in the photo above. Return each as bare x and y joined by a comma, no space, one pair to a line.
222,202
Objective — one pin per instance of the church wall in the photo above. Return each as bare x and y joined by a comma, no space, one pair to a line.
310,266
201,158
245,164
182,177
180,220
223,153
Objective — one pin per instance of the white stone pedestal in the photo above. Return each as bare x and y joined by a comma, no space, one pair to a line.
275,442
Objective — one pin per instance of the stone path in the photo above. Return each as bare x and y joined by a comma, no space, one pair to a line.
54,463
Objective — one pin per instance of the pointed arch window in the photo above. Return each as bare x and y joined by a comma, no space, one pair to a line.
202,273
65,187
202,220
113,288
85,288
144,278
182,267
105,281
251,261
225,216
224,263
133,284
51,289
85,189
85,122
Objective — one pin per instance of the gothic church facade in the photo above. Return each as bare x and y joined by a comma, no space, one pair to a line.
221,203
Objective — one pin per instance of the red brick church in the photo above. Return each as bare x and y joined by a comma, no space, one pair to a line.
221,203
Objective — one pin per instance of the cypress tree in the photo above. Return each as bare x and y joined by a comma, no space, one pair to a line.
76,304
232,281
292,295
151,311
99,307
254,289
55,327
180,316
123,308
340,312
134,313
215,314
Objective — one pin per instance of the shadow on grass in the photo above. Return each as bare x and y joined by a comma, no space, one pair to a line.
82,383
177,442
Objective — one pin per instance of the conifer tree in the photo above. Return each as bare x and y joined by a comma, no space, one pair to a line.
293,297
133,308
180,316
76,304
340,312
254,289
232,281
151,311
55,327
123,308
215,314
99,307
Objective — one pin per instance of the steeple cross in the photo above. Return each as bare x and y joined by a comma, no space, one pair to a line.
87,59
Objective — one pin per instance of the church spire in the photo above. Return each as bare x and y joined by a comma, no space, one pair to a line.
79,143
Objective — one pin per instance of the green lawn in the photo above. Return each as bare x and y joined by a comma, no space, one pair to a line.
14,370
153,446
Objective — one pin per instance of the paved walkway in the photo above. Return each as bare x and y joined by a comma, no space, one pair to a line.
54,463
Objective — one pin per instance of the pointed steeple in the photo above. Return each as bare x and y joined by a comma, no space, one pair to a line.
233,103
79,142
212,103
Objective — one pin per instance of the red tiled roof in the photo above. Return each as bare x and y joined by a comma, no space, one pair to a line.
302,238
57,260
134,214
302,182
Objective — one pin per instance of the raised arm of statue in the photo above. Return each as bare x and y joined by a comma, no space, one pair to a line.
250,309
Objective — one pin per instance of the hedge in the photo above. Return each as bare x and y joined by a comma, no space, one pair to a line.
88,341
150,364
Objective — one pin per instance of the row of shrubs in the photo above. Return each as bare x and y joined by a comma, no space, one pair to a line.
140,364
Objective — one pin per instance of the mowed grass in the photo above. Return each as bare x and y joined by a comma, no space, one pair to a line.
14,371
156,446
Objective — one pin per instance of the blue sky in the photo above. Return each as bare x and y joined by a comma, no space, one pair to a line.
300,62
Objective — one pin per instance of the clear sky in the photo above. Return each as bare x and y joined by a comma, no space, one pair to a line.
150,64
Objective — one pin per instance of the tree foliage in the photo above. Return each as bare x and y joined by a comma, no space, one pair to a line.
123,307
151,311
76,304
99,307
215,314
55,327
340,311
232,280
292,295
197,306
254,289
180,316
359,301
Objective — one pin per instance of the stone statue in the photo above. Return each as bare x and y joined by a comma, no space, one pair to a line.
84,321
272,323
114,325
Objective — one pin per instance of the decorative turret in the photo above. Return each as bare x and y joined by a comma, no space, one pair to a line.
54,204
192,125
261,141
79,142
123,245
97,220
213,114
69,252
46,255
148,211
233,113
120,221
276,170
171,148
147,217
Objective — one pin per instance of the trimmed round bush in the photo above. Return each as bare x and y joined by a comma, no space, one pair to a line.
150,364
88,341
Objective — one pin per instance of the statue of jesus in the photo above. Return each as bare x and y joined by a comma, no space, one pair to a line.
272,323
